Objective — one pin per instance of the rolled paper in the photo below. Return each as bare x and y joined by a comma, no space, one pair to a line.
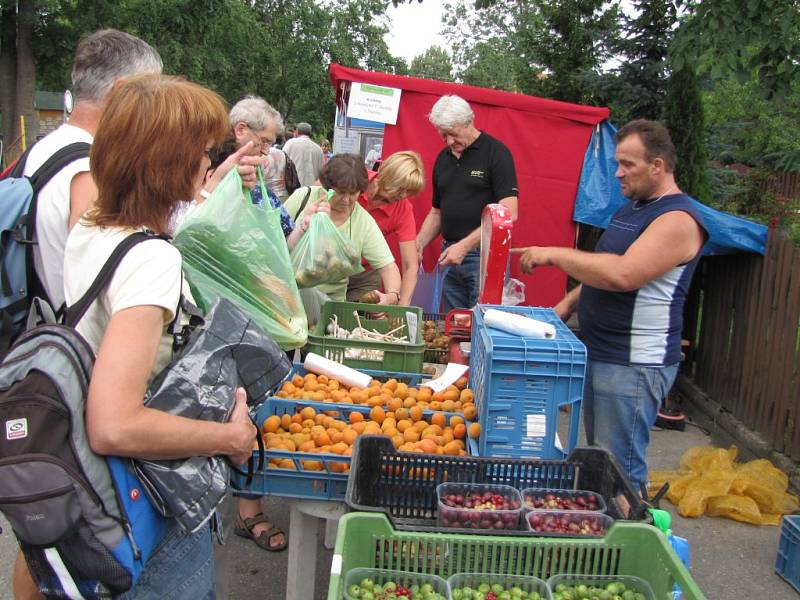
320,365
519,324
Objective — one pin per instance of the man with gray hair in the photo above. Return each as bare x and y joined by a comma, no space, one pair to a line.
305,154
102,59
474,170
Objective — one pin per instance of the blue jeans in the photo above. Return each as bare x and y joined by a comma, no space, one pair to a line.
181,567
460,287
620,404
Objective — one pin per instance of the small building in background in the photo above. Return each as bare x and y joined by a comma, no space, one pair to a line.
50,111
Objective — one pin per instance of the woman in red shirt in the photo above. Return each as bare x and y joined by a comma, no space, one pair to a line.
399,177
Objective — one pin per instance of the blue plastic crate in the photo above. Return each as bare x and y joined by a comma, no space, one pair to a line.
787,564
328,484
521,382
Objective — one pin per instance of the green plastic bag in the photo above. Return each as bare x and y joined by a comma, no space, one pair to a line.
235,250
323,254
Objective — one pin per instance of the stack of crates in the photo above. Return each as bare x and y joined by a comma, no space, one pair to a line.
520,383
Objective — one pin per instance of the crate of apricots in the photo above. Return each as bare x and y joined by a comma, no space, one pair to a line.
310,426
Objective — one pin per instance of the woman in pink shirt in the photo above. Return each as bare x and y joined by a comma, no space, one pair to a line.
399,177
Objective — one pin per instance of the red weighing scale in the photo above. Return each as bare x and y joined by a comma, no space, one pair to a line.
496,226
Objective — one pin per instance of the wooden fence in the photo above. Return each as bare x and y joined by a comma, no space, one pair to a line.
743,318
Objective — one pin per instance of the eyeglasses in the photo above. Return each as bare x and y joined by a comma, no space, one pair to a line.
266,142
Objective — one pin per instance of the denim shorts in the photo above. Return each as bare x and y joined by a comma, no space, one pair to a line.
181,567
620,404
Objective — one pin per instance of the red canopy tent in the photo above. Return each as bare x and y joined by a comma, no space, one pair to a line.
547,138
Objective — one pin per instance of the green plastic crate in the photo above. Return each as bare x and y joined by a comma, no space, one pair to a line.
387,356
368,540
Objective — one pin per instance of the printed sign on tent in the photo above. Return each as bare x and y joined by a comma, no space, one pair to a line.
373,102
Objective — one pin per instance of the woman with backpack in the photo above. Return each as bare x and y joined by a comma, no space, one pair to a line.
149,153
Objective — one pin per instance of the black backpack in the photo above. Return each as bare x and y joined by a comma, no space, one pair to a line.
290,177
82,520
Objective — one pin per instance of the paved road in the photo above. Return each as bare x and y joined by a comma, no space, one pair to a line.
731,560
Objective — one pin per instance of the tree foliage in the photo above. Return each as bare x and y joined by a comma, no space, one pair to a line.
549,46
743,37
640,85
686,122
435,63
278,49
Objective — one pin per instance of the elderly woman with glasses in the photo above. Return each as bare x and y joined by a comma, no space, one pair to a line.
254,120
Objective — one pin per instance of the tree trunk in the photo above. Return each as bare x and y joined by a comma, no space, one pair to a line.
26,71
8,75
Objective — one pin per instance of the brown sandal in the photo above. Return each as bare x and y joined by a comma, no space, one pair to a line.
243,527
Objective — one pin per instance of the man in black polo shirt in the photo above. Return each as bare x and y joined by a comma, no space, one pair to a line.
474,170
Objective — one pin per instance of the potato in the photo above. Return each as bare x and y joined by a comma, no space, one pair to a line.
370,297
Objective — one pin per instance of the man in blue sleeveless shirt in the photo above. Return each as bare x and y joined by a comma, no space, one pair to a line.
630,301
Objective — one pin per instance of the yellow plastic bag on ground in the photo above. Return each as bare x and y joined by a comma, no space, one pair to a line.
739,508
714,482
703,458
762,471
711,482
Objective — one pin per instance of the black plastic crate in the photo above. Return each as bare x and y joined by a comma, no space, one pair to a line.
403,485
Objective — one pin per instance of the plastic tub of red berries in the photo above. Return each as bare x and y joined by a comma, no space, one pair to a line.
480,506
384,584
568,523
491,586
552,499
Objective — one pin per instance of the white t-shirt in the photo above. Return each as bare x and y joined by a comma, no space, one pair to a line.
149,274
52,217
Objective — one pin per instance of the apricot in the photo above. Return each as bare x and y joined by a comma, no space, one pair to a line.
349,436
415,413
460,431
271,424
461,383
411,435
438,419
428,445
469,412
451,395
356,417
475,430
377,414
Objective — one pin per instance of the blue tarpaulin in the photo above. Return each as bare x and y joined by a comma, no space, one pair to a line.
599,197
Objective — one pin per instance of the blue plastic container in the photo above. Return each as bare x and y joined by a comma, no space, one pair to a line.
787,564
328,484
521,382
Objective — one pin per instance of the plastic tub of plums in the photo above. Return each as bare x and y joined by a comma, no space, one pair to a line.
479,506
551,499
568,523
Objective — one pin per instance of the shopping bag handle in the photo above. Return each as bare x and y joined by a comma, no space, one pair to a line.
251,467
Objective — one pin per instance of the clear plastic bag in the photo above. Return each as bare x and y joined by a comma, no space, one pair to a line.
232,249
428,293
513,292
313,301
323,254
